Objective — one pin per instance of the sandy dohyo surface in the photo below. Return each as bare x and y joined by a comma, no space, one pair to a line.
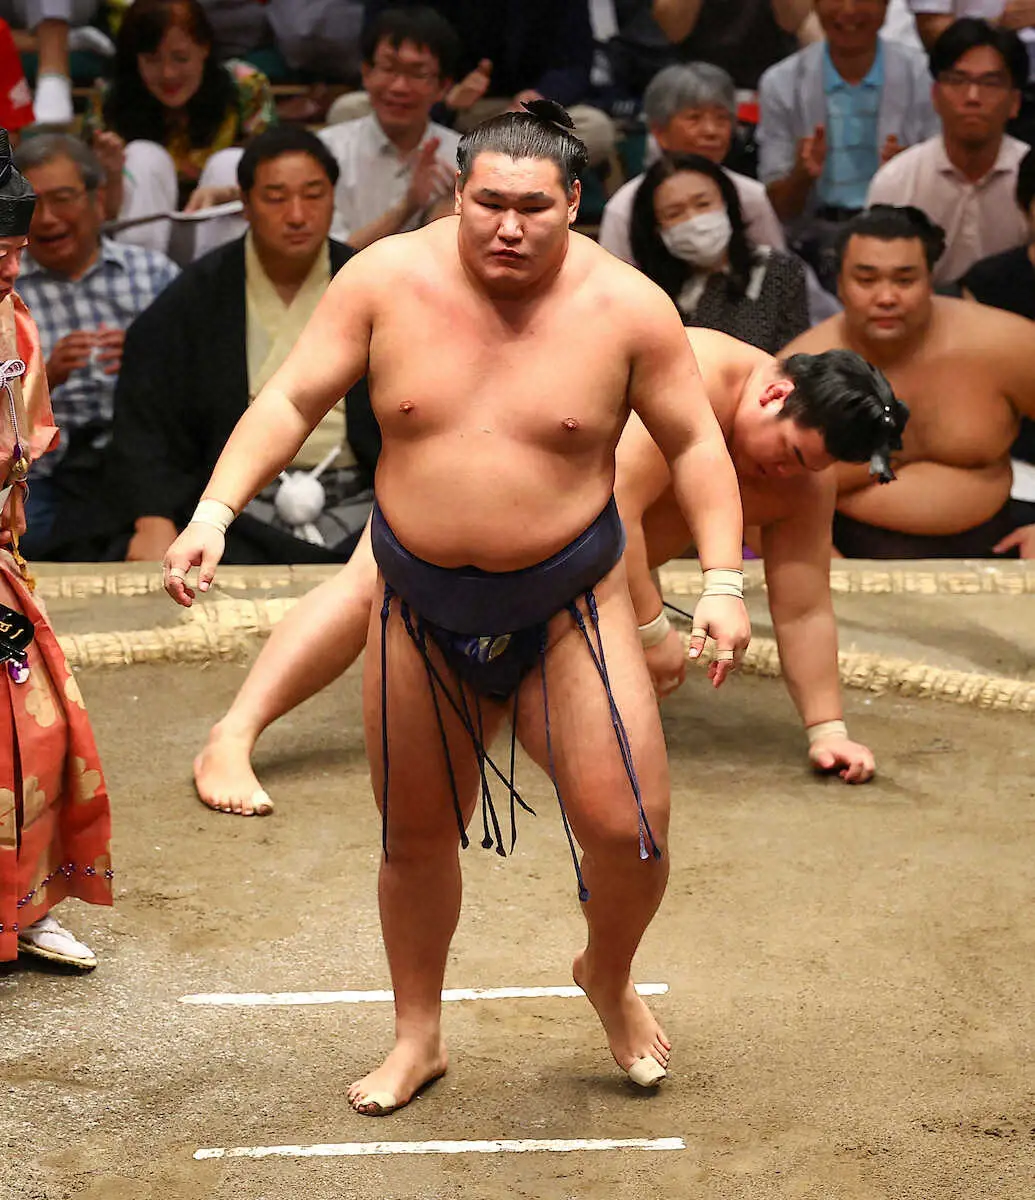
851,971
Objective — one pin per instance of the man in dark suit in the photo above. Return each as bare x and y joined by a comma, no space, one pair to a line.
204,348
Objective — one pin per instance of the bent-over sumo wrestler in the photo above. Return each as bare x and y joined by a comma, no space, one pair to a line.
786,424
55,826
504,354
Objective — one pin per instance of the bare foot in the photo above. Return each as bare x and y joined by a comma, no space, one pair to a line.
632,1031
410,1066
224,777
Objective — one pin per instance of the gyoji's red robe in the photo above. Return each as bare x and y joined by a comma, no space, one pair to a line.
55,825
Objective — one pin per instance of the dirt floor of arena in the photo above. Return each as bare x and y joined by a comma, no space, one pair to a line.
850,970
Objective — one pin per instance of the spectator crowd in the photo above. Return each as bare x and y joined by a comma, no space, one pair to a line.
800,174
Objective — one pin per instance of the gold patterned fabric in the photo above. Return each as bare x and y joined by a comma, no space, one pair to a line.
55,824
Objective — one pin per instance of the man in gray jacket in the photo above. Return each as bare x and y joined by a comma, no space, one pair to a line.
831,115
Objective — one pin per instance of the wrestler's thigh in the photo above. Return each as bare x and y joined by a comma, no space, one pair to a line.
420,797
592,776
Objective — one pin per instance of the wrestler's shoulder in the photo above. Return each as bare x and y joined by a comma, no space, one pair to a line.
609,278
406,253
979,327
827,335
721,349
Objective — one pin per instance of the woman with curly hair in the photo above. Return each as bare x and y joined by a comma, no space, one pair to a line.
169,110
688,235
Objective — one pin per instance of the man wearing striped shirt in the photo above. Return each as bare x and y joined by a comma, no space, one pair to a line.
84,290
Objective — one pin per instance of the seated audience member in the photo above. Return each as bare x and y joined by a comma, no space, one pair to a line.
691,108
688,235
516,50
1007,281
967,374
396,164
173,109
964,179
830,115
934,16
743,38
84,290
59,27
210,342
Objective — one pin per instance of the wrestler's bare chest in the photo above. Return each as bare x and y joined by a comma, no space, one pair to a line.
549,376
958,414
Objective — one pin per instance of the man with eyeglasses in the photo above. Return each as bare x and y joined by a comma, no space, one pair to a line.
84,290
964,179
397,165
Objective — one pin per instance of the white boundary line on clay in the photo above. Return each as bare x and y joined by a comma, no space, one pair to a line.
520,1146
260,999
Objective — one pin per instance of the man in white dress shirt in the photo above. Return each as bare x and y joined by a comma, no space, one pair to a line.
964,179
397,165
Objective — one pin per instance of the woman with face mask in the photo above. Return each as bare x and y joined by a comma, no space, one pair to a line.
688,235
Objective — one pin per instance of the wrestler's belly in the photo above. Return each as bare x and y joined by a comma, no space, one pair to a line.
931,499
513,512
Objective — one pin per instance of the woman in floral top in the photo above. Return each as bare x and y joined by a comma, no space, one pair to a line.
170,108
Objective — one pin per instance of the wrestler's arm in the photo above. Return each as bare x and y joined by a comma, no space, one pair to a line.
925,498
666,391
641,478
796,551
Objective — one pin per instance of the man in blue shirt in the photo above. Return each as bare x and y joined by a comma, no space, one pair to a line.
830,115
84,290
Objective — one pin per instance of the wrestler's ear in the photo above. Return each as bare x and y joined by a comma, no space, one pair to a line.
776,393
574,200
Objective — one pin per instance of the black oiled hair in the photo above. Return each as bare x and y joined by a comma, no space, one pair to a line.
543,130
283,139
649,251
893,223
850,403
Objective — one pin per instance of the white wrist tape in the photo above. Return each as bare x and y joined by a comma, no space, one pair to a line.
722,581
655,631
826,729
215,513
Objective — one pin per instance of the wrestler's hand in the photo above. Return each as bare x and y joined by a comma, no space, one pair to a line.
852,760
1023,538
198,546
667,664
725,619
